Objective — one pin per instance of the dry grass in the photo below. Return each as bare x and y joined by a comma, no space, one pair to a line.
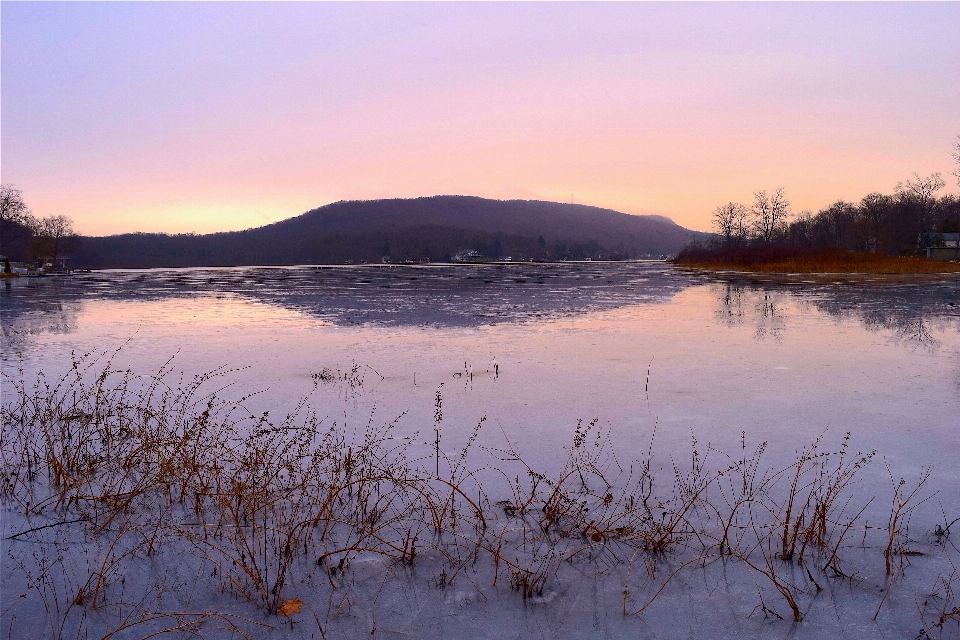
940,611
121,469
788,260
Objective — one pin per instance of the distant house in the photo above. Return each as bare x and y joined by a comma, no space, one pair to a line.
469,256
941,246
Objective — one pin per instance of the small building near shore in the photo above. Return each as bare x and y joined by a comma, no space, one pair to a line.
469,256
941,246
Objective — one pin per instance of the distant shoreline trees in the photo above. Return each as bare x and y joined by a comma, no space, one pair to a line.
770,213
893,224
730,222
50,235
16,220
24,237
765,221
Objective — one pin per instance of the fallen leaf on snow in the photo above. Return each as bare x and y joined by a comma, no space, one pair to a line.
290,607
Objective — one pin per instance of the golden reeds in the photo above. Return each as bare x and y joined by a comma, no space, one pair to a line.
135,467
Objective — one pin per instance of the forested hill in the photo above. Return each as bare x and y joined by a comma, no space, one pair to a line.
435,228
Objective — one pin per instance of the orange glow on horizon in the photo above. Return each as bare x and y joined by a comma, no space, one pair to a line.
160,118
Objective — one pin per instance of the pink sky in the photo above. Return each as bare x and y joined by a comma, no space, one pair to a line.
217,116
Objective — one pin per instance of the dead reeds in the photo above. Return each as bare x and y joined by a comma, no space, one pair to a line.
789,259
120,470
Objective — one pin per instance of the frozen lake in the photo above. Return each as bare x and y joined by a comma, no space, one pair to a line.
633,344
642,347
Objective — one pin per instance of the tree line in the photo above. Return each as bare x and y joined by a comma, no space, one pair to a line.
26,238
894,224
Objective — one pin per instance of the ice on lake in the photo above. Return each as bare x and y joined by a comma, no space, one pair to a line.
651,352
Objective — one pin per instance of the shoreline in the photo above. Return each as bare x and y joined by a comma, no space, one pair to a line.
817,277
779,264
338,265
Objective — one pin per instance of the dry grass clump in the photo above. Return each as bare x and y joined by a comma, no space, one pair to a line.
940,611
112,471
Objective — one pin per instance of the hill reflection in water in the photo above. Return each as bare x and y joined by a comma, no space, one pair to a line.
486,294
448,296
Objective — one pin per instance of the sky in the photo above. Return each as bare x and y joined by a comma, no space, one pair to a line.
201,117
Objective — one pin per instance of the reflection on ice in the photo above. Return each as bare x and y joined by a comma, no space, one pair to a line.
479,295
437,295
912,313
50,317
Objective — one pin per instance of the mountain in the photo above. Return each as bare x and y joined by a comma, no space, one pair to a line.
435,228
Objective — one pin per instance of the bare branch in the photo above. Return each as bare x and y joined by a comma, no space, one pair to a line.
955,154
730,221
16,220
770,213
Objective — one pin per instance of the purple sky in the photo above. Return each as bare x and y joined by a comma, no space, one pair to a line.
214,116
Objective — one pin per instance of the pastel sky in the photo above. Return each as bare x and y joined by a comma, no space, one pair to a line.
205,117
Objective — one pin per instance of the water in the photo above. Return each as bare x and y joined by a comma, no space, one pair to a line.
651,352
633,344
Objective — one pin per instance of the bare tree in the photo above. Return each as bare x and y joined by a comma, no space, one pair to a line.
16,220
730,221
800,231
840,217
49,235
923,189
770,213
